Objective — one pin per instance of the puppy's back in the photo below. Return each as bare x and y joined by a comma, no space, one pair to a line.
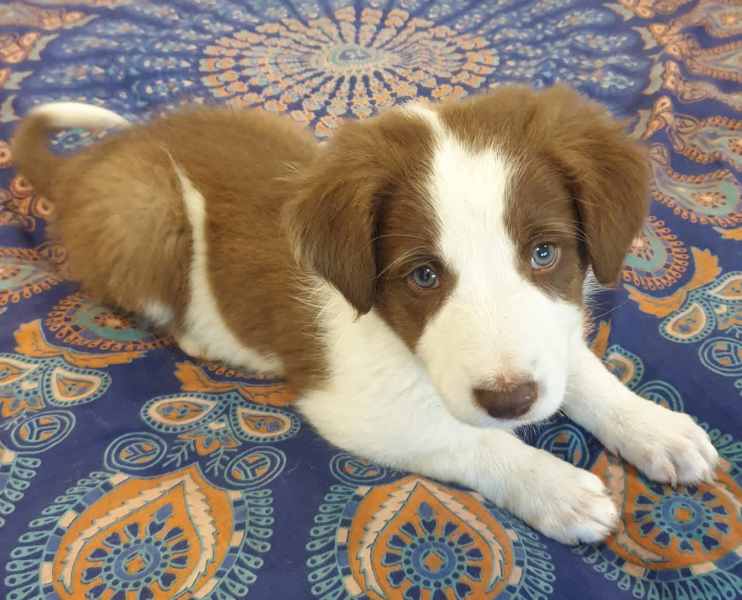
118,204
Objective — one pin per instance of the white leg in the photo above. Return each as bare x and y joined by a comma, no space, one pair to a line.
666,445
191,347
411,430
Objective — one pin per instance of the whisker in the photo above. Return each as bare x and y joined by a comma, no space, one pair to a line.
402,258
610,310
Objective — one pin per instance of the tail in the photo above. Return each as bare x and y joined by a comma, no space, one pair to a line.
30,148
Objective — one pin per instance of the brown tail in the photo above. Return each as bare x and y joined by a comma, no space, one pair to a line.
31,153
30,148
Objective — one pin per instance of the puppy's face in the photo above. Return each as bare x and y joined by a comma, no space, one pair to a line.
469,228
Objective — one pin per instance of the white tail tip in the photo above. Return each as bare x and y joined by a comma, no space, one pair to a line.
65,115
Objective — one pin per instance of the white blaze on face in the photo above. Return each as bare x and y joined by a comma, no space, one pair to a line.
495,323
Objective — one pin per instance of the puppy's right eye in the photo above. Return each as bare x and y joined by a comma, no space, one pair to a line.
424,277
544,256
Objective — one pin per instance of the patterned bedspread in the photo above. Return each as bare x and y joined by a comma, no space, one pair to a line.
128,471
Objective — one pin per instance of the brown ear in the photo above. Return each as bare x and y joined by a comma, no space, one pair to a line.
607,173
332,219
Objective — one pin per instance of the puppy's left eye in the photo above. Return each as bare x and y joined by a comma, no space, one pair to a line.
544,256
424,277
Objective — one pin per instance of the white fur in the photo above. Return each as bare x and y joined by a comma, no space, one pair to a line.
381,403
64,115
158,313
415,411
495,324
666,445
207,335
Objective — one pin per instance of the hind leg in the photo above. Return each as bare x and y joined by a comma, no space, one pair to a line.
191,347
240,357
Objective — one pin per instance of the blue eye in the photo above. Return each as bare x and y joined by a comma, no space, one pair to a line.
424,277
544,256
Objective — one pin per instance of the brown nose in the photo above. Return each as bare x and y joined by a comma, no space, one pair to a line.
507,399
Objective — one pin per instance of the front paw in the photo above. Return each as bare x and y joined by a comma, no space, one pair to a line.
667,446
567,504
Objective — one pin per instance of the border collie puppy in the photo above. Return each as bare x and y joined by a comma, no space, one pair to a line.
418,279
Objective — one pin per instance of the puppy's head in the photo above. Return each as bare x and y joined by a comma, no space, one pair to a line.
469,228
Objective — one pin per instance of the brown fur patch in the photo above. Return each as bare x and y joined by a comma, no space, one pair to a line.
363,221
581,179
116,206
356,210
541,210
119,212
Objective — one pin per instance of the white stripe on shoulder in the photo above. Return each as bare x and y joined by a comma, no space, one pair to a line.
158,313
427,114
65,115
204,325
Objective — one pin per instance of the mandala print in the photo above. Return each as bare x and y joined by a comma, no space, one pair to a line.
27,271
322,64
413,538
671,542
16,473
116,536
683,542
20,205
567,441
657,258
694,90
629,369
222,379
37,395
715,309
29,386
78,321
705,141
214,428
214,424
711,199
181,510
164,479
716,306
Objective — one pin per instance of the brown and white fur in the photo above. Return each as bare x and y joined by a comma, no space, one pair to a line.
253,244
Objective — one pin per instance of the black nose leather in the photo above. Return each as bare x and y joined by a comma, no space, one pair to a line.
507,400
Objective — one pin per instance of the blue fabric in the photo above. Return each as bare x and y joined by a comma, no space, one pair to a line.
129,471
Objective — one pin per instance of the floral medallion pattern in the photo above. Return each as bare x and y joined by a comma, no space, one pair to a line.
671,542
674,543
28,271
714,198
413,538
320,64
16,474
19,205
79,322
115,536
129,471
215,427
705,141
657,258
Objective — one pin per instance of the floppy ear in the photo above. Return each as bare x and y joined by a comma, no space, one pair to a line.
606,171
332,219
